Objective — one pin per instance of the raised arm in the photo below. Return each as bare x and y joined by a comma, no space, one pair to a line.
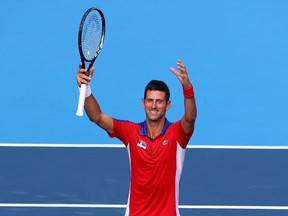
91,106
189,117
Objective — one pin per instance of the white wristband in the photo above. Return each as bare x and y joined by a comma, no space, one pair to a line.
88,91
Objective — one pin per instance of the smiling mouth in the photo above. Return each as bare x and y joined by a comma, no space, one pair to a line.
153,111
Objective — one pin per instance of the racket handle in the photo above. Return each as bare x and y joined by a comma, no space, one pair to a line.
81,100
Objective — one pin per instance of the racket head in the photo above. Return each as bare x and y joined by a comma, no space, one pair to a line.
91,35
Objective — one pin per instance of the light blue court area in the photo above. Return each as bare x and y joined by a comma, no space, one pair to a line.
235,52
94,180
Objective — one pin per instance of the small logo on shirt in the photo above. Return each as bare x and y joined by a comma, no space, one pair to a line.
165,142
142,144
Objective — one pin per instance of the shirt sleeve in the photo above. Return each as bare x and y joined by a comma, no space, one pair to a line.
182,137
122,130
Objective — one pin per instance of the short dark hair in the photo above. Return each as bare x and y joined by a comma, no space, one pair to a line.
157,85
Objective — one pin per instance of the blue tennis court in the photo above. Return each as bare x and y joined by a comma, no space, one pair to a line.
54,163
94,180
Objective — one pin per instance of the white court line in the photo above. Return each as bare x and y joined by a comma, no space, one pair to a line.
59,205
233,207
62,205
45,145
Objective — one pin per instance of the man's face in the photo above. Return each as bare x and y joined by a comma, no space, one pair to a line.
155,105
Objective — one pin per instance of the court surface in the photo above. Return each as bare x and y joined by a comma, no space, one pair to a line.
236,56
57,179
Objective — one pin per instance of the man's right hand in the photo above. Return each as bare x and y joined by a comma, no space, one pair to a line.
82,78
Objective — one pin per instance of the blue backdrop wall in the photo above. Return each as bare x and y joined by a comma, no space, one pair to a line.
235,51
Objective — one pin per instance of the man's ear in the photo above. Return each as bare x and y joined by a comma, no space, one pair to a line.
168,105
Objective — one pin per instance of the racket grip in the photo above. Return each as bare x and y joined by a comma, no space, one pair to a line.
81,100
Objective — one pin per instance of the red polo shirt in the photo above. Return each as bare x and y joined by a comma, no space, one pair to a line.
156,166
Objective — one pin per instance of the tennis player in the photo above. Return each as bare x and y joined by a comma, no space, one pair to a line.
156,147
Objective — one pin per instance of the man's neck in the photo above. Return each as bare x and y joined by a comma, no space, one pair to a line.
154,128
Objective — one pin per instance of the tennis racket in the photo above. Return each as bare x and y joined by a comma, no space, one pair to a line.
90,41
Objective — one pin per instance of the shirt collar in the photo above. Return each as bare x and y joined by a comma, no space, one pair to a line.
143,125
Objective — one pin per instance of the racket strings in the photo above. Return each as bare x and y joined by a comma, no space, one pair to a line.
91,35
